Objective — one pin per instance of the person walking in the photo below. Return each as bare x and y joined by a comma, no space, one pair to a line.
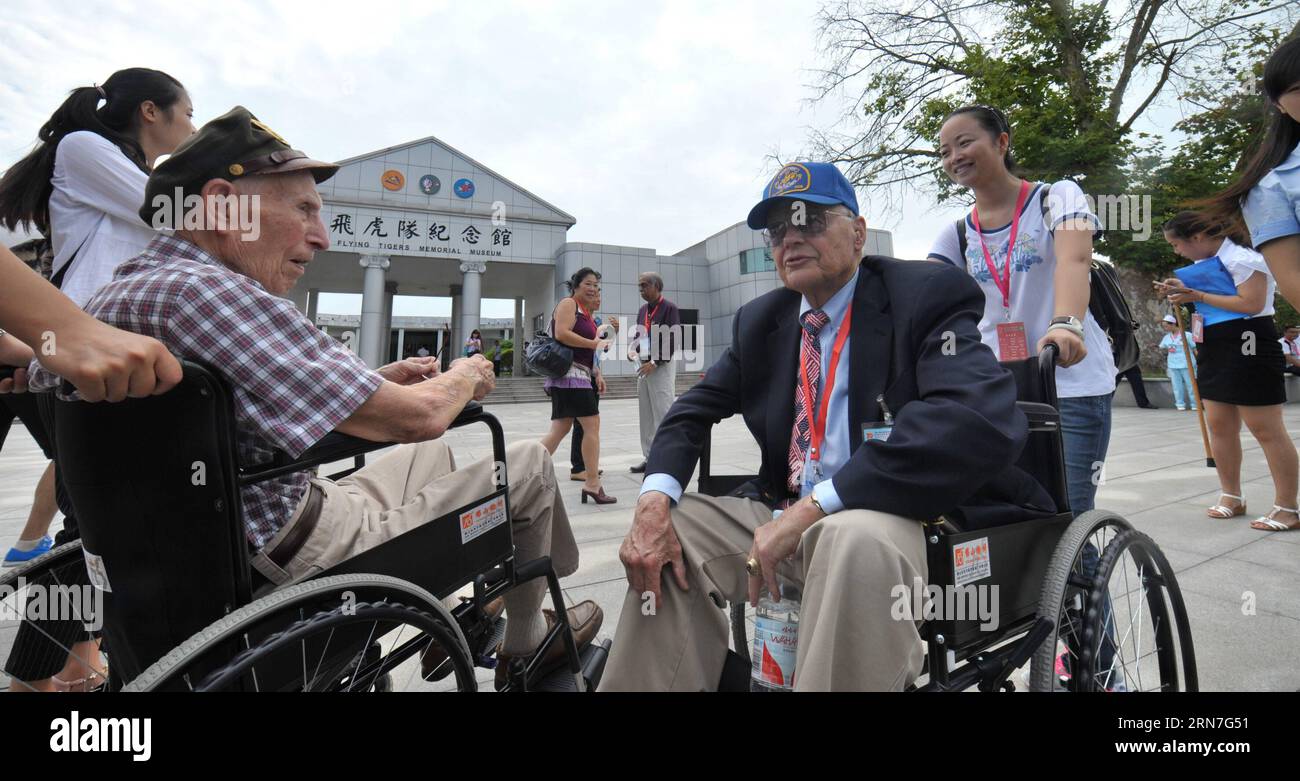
575,394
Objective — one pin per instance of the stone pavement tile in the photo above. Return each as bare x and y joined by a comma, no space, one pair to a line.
1235,652
1180,526
1232,580
1269,552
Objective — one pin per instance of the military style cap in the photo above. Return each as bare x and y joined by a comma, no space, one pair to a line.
234,144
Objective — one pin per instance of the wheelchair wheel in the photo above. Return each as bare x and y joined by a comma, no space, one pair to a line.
1064,598
46,607
1136,631
340,633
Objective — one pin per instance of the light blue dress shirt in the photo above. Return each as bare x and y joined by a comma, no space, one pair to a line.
1272,207
836,446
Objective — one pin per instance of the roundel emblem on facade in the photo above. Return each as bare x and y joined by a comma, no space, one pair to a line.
464,188
429,184
393,180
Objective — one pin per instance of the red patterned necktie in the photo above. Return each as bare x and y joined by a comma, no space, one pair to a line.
810,357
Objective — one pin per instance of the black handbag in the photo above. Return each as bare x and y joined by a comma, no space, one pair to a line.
1106,302
547,357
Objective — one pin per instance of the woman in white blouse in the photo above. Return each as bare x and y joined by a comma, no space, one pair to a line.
84,183
1239,364
82,187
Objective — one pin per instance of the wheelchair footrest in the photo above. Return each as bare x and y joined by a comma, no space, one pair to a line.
591,658
486,656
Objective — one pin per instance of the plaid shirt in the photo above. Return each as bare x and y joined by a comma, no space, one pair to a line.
292,383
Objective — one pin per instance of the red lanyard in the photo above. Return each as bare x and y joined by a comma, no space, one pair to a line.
650,313
1003,284
818,421
584,311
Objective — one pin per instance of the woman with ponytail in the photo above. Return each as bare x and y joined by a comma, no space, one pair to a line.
83,184
1265,199
82,187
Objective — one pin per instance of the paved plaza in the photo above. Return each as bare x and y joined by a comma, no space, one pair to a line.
1155,476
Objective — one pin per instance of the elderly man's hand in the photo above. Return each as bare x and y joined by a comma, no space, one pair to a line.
410,370
651,545
776,541
479,370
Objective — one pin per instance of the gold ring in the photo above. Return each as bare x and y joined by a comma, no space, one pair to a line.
753,567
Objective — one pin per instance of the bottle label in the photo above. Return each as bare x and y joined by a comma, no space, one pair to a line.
776,644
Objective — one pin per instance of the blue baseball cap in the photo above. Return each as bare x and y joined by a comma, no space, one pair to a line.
812,182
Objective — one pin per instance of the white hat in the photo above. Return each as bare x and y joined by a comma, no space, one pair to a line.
1171,319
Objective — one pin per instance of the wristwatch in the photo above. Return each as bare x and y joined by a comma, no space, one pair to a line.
1070,320
817,504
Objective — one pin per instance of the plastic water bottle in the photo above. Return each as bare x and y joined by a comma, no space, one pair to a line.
776,640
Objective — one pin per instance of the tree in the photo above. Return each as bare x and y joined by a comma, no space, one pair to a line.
1074,77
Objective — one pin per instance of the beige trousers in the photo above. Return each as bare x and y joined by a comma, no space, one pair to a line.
847,564
655,395
414,484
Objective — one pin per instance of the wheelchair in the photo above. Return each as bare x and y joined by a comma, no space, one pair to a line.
156,485
1090,602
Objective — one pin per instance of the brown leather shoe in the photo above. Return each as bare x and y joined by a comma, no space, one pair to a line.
585,619
435,655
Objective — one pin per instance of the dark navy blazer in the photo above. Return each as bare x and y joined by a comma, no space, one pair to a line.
915,341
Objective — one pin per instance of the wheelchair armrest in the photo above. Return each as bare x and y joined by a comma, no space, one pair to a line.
1042,417
336,446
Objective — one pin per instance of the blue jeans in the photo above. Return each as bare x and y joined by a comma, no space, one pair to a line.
1181,380
1085,433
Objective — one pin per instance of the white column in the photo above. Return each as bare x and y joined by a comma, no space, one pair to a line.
372,307
520,330
313,300
401,343
390,289
456,341
471,296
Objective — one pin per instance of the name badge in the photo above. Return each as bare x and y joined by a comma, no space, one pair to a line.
1012,344
1198,327
876,432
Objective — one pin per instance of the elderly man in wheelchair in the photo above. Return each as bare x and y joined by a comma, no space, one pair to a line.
892,446
211,292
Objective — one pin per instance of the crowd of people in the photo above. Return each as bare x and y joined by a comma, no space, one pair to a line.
867,418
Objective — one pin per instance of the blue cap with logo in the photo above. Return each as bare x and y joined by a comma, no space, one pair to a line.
812,182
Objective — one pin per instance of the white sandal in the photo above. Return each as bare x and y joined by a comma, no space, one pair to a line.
1271,524
1220,511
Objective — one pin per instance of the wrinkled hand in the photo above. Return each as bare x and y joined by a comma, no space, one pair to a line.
479,370
1071,348
777,541
646,369
107,364
652,545
410,370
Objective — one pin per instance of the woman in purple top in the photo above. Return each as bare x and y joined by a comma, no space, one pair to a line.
574,394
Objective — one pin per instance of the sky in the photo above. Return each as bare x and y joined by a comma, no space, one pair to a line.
653,123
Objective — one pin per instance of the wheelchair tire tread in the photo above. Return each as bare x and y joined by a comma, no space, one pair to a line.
226,626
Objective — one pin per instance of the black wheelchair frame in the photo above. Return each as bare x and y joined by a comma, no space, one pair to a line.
156,486
960,655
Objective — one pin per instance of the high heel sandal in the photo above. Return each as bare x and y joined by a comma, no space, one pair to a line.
1267,523
600,497
1221,511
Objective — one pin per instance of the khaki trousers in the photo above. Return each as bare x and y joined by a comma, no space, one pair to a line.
414,484
847,564
655,395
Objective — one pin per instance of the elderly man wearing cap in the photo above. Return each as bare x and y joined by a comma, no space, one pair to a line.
213,291
875,407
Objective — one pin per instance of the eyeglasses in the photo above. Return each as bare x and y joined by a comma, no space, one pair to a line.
814,224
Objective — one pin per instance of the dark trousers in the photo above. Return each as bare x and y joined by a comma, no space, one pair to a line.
1134,377
575,448
41,645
